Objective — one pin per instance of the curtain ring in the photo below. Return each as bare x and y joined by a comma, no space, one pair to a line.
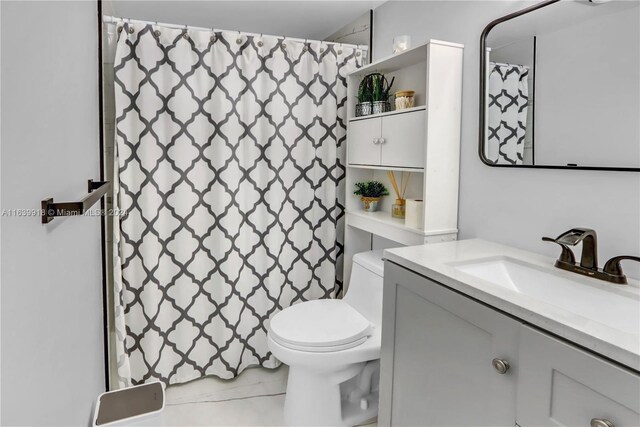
130,29
305,48
213,35
260,43
185,35
156,32
340,49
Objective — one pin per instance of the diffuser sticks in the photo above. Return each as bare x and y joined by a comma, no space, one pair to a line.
398,209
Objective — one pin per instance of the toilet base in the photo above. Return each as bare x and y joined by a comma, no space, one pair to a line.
333,398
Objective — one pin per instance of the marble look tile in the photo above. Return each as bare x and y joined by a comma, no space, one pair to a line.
248,411
255,398
252,382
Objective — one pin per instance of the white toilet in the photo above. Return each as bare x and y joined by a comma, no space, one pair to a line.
332,348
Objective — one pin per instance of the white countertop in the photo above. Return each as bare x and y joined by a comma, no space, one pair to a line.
437,262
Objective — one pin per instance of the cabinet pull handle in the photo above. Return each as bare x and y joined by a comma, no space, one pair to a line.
600,422
502,366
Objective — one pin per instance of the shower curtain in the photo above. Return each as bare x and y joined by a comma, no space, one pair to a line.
230,166
507,113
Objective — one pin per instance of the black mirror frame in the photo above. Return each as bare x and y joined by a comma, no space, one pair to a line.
483,89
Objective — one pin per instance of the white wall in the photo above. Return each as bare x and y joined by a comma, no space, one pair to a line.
515,206
52,339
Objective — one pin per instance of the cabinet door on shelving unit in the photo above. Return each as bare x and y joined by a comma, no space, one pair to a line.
437,354
363,147
561,385
403,144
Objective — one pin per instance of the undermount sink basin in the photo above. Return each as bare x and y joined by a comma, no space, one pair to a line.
612,308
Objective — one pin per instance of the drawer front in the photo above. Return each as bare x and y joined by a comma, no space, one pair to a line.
404,139
362,142
561,385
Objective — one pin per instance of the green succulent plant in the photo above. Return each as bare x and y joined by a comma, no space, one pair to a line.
381,87
365,91
374,87
370,189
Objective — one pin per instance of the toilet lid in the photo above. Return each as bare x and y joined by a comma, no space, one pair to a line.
320,323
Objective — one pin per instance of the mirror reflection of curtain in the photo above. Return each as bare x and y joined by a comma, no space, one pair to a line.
507,113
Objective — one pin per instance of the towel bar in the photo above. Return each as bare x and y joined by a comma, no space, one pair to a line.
96,189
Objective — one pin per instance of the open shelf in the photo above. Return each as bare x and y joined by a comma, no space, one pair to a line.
381,223
402,60
388,113
386,168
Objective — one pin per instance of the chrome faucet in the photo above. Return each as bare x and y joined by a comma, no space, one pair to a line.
612,271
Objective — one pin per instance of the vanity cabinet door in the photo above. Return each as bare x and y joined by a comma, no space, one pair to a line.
363,147
403,139
437,352
561,385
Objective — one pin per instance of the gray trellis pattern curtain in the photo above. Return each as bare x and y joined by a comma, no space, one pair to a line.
507,113
230,165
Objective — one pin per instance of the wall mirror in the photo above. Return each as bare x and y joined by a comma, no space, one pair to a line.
560,87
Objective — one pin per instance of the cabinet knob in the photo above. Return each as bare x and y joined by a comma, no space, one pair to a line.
599,422
376,140
381,141
502,366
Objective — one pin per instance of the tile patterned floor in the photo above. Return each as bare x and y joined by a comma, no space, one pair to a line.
255,398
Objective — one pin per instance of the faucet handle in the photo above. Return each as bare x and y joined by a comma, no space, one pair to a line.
614,268
566,255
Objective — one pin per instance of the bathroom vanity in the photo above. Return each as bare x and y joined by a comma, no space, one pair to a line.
477,333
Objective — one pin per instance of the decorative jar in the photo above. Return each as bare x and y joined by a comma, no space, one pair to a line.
405,99
398,209
401,43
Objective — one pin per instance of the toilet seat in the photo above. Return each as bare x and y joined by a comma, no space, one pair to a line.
320,326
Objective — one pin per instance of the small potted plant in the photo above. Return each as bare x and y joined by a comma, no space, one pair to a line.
365,96
381,91
370,193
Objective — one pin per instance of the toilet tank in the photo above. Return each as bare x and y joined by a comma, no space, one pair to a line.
365,286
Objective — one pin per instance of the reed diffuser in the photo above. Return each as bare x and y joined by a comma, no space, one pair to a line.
398,209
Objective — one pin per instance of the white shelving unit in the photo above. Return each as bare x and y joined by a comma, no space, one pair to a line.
424,140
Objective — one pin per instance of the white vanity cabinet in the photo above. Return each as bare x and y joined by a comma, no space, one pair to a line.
450,360
395,140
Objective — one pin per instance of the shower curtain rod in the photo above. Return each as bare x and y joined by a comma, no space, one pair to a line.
510,65
114,19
